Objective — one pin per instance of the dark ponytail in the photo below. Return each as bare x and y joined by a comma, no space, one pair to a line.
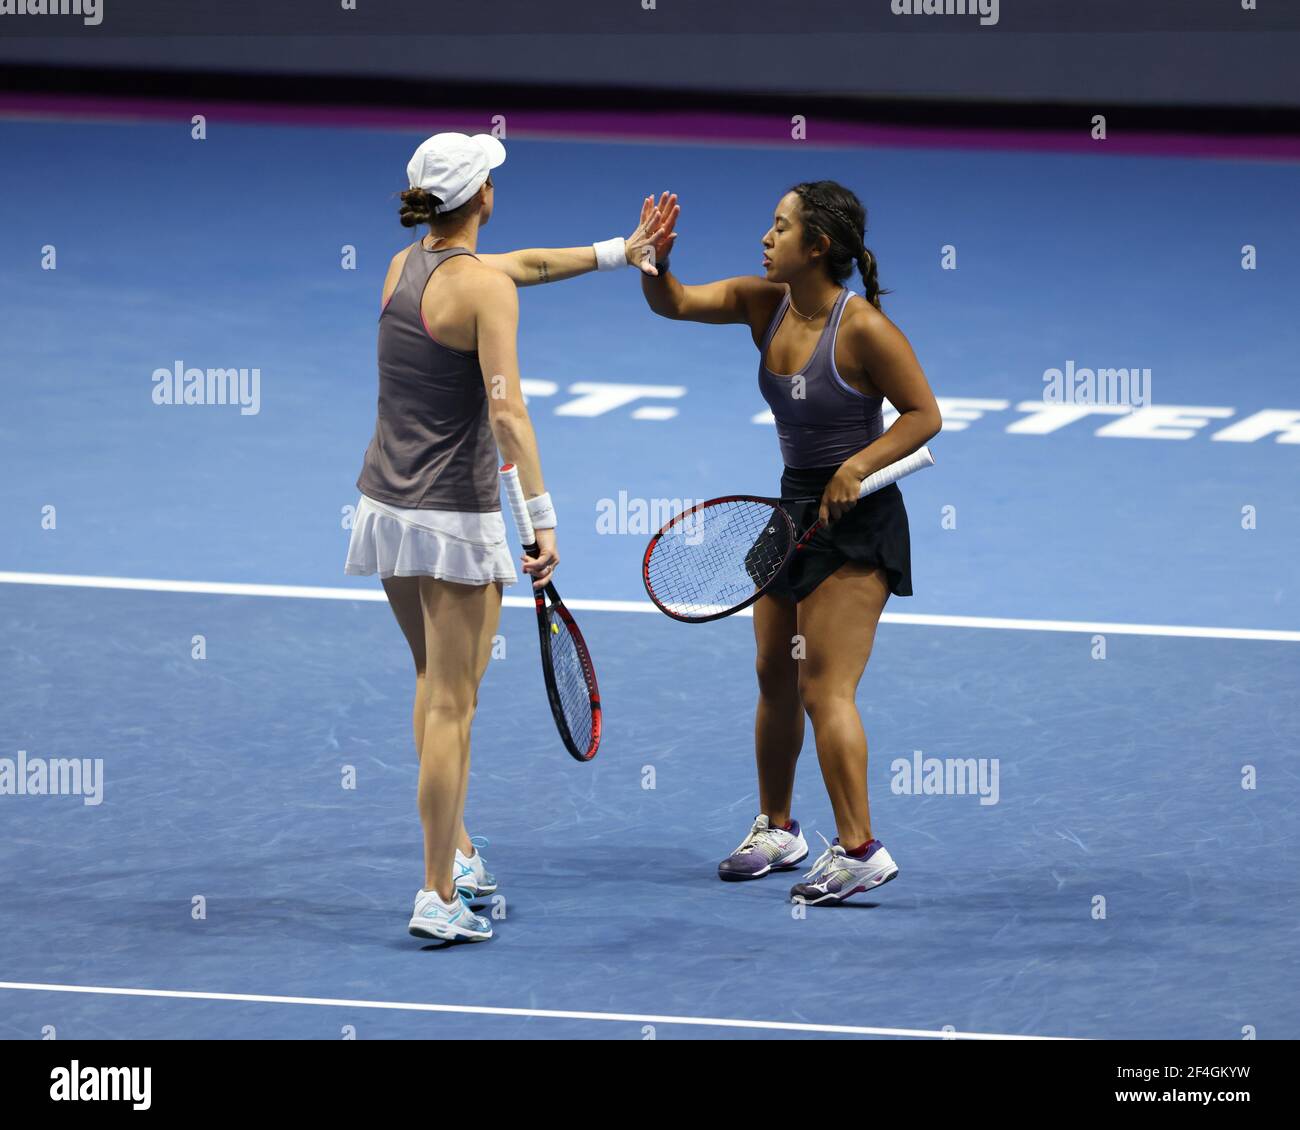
870,279
828,208
421,207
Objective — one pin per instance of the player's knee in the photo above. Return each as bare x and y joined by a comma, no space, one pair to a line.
820,695
445,708
778,676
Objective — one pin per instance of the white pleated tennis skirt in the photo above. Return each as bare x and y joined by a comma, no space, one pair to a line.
451,545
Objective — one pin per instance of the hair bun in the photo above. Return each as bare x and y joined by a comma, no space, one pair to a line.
418,207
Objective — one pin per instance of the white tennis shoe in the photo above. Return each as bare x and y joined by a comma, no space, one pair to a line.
837,875
447,921
471,876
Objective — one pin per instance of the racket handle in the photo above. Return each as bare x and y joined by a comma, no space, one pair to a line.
895,471
519,507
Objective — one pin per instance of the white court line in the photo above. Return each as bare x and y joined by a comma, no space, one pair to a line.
541,1013
1005,623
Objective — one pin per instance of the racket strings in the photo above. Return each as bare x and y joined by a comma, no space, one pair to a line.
715,558
573,678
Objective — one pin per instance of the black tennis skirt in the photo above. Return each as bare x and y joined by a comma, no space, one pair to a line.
874,533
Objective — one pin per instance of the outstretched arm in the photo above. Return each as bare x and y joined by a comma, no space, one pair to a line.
724,302
719,303
535,265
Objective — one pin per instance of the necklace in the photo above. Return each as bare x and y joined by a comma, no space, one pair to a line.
810,317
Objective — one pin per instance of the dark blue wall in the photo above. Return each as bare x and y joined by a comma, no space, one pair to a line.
1179,52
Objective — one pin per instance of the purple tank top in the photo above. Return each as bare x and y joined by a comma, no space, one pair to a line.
820,420
433,447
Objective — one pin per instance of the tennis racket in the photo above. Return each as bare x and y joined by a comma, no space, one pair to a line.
566,663
722,555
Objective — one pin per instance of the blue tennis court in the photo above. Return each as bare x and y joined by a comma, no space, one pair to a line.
1106,619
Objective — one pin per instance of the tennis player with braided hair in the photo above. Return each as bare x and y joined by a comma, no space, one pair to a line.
429,517
827,359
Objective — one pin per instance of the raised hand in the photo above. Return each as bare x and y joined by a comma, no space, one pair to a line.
654,236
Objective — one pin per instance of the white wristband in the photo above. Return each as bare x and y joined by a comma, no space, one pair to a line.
542,512
610,254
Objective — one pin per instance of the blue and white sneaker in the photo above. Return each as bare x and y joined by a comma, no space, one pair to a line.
447,921
471,877
764,850
837,875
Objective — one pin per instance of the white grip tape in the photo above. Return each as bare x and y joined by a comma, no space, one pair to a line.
518,507
895,471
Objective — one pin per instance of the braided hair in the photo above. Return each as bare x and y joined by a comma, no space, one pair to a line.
828,208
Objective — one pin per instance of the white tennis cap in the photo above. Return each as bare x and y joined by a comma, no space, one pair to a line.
453,166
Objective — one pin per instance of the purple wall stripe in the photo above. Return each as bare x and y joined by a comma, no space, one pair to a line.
700,127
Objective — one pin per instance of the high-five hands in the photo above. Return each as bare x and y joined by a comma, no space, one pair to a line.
654,236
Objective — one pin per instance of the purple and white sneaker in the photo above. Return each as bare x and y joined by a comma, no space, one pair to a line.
837,875
764,850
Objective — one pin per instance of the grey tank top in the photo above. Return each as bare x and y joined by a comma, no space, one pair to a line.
433,448
820,420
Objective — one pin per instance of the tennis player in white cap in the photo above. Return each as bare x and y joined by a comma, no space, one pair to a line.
429,517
